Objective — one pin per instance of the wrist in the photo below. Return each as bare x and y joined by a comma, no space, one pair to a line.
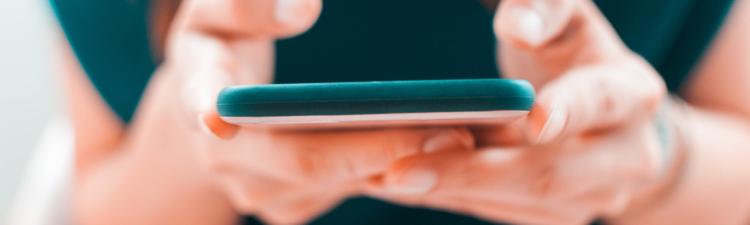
711,187
652,193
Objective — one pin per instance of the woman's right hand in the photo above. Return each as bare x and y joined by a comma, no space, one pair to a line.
282,177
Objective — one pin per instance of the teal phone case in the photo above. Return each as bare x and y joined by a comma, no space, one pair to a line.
377,97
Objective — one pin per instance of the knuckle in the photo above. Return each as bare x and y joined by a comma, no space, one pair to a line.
312,167
307,159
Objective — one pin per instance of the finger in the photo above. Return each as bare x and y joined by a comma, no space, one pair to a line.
204,66
211,122
511,134
281,202
448,172
361,154
501,177
324,157
305,204
301,211
522,214
594,98
588,77
532,23
548,37
609,201
249,192
252,19
530,176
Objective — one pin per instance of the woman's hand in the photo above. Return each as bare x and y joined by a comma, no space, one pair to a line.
282,177
591,142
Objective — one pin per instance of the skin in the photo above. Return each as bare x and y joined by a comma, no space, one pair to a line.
191,167
592,149
588,149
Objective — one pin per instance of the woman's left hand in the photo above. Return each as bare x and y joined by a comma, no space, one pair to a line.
589,147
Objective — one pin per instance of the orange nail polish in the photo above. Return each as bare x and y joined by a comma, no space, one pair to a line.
536,119
217,126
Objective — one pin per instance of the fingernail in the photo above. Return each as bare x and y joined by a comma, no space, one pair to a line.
529,24
416,181
558,116
289,12
211,123
204,127
447,140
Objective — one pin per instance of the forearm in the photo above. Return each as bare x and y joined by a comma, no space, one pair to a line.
712,185
141,188
150,176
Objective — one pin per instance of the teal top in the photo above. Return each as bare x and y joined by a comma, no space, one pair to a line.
381,40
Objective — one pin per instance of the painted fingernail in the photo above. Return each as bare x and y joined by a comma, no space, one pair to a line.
416,181
448,140
529,24
202,125
212,124
290,12
556,119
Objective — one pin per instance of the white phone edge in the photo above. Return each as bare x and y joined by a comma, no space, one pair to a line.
382,120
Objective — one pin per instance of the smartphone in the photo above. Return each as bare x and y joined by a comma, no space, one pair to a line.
377,103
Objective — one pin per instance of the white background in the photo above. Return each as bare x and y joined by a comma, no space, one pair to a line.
29,92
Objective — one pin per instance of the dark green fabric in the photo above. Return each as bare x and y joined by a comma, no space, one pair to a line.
391,40
110,38
382,40
671,34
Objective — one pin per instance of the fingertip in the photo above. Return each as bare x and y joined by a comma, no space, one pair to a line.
535,122
467,138
521,25
531,23
453,139
412,175
546,123
254,19
297,16
412,181
212,124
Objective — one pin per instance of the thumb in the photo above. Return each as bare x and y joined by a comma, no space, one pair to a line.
587,78
542,39
532,23
256,18
199,98
217,43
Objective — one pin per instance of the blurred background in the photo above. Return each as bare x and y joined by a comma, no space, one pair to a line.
29,93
